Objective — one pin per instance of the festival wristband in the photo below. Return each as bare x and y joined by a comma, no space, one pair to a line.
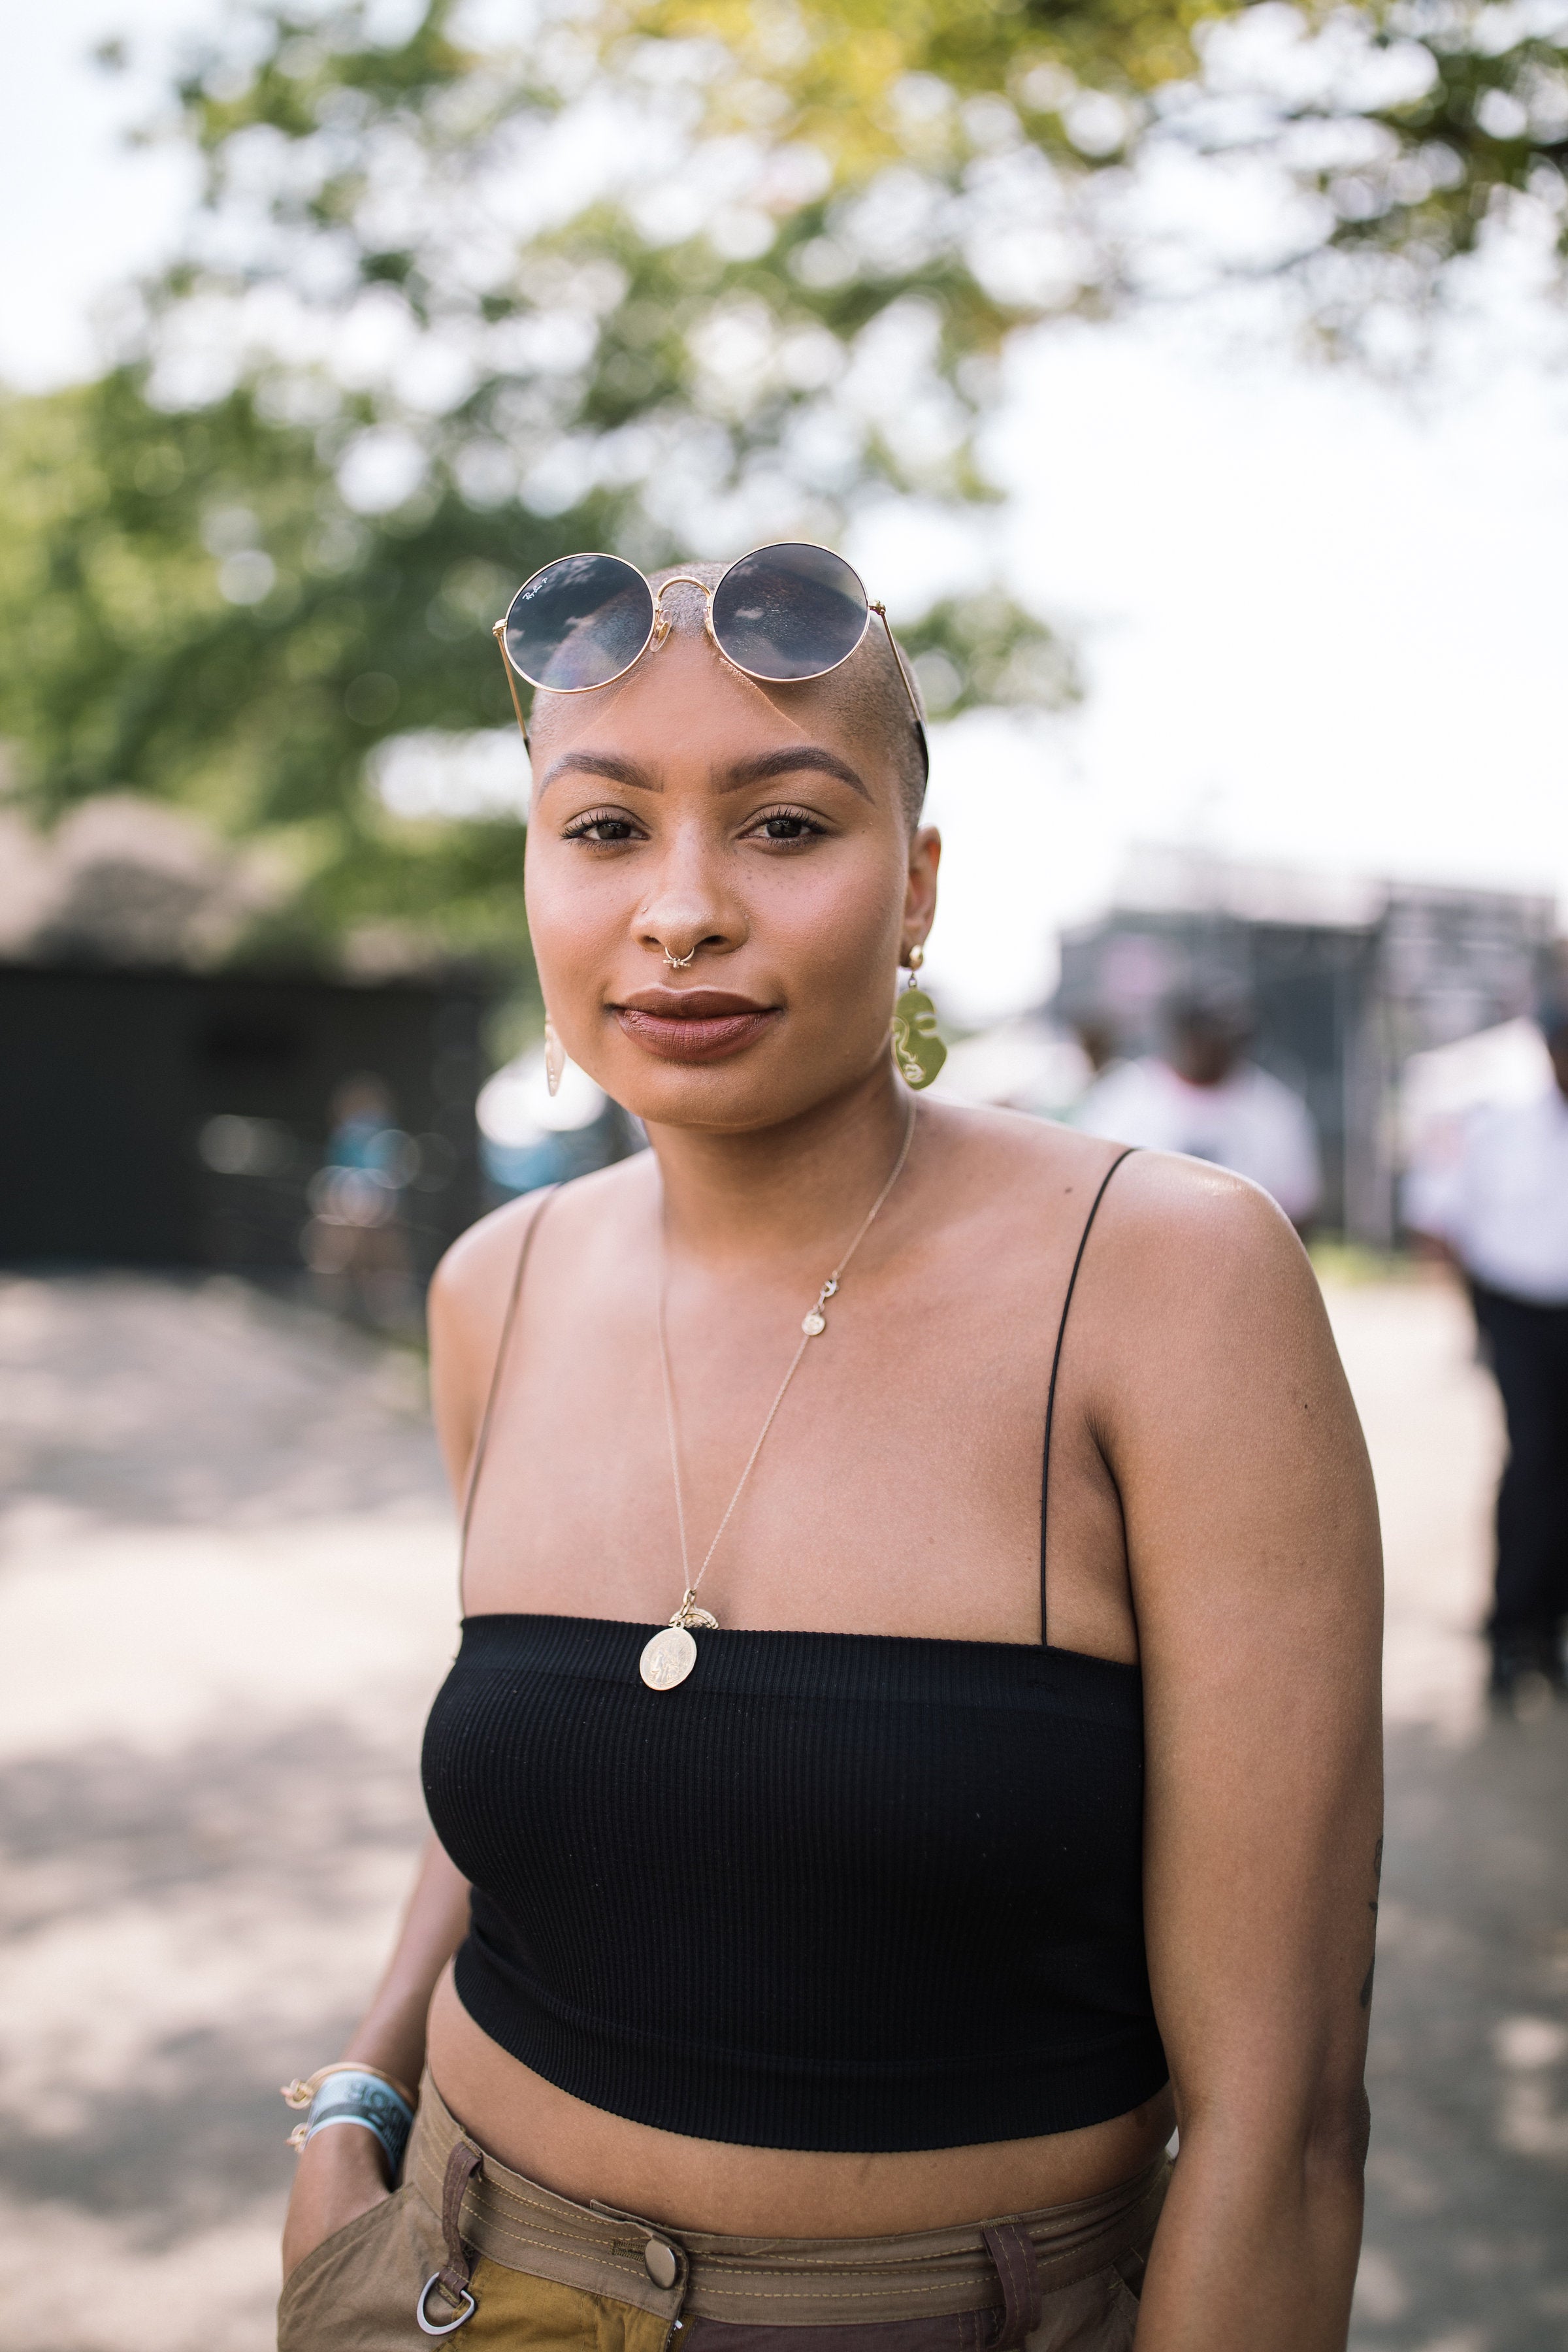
361,2095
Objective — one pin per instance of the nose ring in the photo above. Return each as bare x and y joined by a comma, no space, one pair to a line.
679,963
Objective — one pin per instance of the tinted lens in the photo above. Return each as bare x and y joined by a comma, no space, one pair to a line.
580,622
789,611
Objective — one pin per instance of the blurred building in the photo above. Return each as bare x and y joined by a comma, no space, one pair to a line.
1346,981
170,1117
165,1108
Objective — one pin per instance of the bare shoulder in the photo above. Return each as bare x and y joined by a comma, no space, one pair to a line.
483,1258
1208,1258
1184,1257
472,1284
1215,1387
472,1288
1024,1165
1011,1159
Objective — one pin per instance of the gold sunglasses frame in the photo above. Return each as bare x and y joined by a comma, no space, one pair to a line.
660,625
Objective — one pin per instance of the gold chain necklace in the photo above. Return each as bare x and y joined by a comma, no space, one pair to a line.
671,1656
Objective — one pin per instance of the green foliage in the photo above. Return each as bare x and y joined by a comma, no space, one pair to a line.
1415,122
194,615
668,276
1485,123
223,604
864,79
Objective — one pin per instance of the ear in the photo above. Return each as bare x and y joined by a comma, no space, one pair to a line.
920,893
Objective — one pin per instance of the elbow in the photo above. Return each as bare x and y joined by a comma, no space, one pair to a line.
1336,2138
1314,2144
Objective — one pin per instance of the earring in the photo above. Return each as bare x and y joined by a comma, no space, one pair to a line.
555,1057
917,1049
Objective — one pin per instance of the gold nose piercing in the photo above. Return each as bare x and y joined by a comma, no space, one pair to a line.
679,963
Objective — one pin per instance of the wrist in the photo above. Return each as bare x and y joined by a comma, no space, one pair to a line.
350,2097
304,2094
347,2156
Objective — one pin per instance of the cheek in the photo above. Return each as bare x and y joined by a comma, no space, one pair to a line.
831,928
576,909
836,910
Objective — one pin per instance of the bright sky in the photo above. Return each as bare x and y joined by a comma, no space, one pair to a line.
1321,627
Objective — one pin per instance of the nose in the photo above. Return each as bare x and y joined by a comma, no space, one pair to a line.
688,911
676,938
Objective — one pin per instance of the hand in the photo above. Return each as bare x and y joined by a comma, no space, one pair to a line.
341,2174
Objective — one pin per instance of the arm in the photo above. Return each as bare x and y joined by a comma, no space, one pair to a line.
1253,1550
342,2172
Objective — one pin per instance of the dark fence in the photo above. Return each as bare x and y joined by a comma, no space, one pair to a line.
175,1118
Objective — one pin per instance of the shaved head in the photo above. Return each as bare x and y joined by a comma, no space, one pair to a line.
866,693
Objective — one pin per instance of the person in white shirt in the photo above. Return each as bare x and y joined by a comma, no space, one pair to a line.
1207,1100
1498,1205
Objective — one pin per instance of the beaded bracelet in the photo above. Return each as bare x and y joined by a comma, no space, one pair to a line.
351,2093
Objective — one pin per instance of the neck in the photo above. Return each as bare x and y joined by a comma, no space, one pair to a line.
794,1190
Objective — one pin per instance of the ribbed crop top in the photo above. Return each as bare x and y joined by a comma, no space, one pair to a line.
840,1891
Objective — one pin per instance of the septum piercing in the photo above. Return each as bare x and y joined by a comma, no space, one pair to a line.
679,963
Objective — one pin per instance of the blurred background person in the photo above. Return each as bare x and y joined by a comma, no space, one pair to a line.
1496,1203
1203,1098
1098,1040
356,1243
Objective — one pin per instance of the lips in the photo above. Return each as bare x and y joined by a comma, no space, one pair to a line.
692,1025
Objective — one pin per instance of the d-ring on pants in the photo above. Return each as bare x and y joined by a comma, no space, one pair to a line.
468,2246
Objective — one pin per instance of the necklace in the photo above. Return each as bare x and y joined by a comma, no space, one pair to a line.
671,1656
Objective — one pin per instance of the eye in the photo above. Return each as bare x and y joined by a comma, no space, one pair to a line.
787,826
602,828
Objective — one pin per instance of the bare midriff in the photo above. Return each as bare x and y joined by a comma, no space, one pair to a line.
584,2154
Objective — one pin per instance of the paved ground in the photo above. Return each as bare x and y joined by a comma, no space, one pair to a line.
226,1595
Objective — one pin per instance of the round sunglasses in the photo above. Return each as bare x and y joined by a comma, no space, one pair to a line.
781,615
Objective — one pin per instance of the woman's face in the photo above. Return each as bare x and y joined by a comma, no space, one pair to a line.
687,808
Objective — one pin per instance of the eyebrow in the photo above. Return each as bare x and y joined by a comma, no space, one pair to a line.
597,764
790,760
787,761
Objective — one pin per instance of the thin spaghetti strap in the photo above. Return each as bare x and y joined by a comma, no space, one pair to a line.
1056,1366
471,1487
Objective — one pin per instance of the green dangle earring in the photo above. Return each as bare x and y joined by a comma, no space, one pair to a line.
917,1049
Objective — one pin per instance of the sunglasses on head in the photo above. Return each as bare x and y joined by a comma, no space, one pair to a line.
781,615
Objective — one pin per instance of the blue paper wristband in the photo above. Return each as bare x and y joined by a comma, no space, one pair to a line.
370,2103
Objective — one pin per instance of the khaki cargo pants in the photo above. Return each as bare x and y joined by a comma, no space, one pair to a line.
468,2250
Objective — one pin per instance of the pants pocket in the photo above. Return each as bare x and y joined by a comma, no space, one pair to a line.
356,2290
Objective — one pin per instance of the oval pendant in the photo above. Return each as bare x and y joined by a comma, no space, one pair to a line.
813,1324
668,1659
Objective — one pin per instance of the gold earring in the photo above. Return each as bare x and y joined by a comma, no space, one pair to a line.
917,1049
555,1057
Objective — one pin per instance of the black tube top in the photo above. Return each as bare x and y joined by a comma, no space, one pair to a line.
836,1891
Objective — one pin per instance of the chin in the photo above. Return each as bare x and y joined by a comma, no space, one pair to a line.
757,1088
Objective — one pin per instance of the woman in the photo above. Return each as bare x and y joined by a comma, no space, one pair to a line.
849,1967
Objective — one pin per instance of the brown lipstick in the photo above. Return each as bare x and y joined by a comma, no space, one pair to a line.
692,1025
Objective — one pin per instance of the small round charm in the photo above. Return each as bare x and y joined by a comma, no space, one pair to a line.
813,1323
668,1659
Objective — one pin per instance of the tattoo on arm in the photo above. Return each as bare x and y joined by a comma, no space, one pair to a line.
1371,1964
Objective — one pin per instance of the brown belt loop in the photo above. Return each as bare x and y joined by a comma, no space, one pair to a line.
455,2274
1017,2266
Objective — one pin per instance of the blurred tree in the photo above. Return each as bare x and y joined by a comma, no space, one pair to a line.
1409,127
668,276
400,368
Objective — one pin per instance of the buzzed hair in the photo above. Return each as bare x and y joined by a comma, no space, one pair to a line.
866,688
